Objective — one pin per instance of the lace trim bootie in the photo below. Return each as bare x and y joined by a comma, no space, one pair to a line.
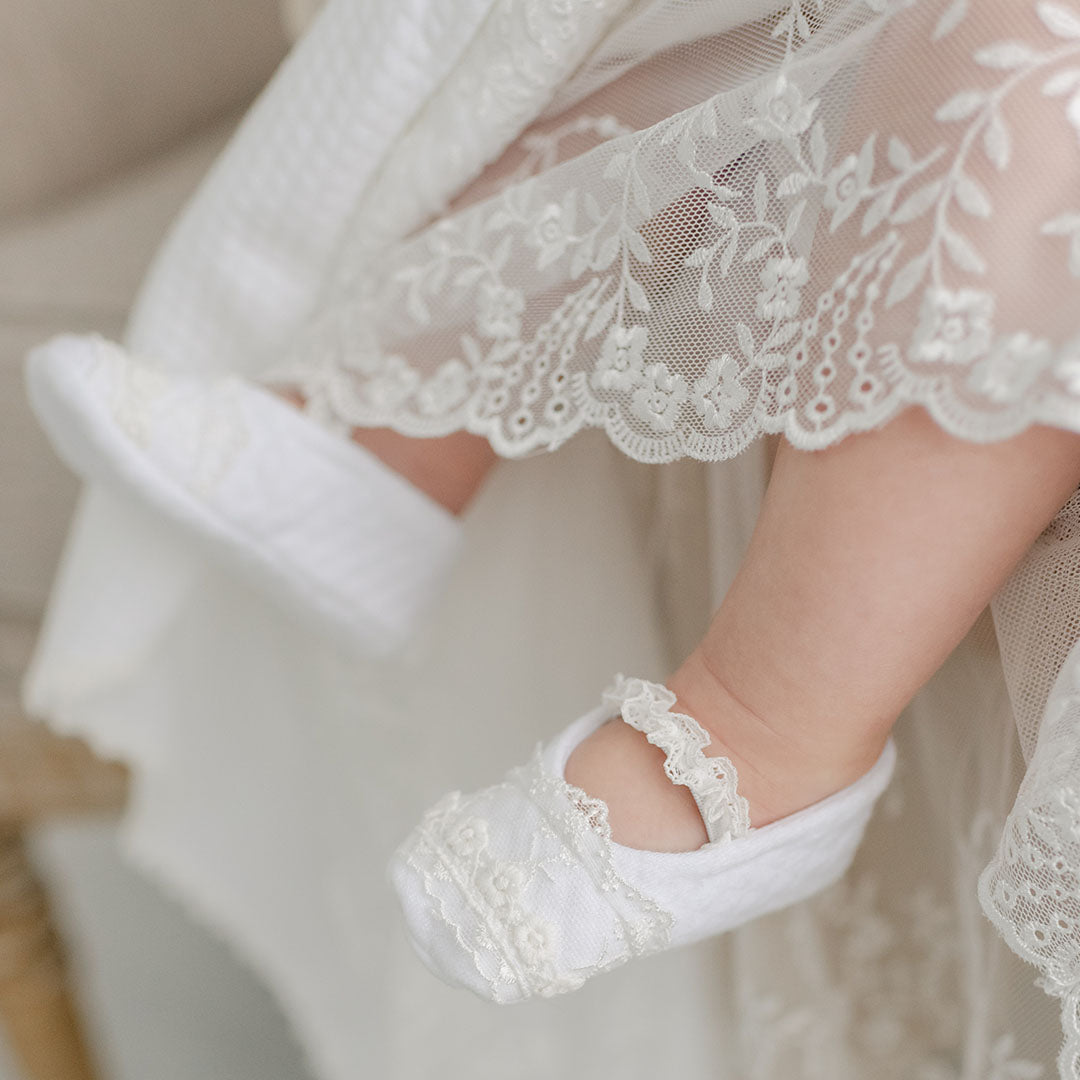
519,890
310,517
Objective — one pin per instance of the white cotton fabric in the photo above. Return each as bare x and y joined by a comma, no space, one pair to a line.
806,218
518,890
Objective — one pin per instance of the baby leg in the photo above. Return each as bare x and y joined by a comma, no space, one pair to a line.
450,469
869,563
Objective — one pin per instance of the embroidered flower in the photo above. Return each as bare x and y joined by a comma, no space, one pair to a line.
782,111
844,187
393,383
782,281
621,365
499,311
1011,367
658,401
551,233
467,838
535,940
501,884
448,387
718,394
954,327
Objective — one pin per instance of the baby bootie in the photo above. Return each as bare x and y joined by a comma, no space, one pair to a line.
519,891
305,515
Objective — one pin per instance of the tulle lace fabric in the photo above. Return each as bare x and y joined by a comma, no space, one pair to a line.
731,219
685,223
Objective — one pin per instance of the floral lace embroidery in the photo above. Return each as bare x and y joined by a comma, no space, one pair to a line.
484,886
646,707
1031,888
696,353
522,52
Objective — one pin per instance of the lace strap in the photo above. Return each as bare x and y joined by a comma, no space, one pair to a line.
712,781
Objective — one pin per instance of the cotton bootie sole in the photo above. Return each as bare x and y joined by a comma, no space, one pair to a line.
305,515
519,891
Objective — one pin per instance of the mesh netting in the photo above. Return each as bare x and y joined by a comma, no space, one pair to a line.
800,223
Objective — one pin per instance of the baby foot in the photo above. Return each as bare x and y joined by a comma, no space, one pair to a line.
776,776
522,890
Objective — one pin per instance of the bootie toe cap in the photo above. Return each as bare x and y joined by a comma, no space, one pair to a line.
519,891
512,893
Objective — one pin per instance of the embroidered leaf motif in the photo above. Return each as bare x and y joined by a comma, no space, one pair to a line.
705,294
792,185
961,106
601,317
758,249
761,196
1059,20
793,220
636,294
746,340
963,254
878,211
1062,82
1006,55
907,280
997,143
918,203
783,335
950,19
728,255
899,154
641,194
637,246
972,197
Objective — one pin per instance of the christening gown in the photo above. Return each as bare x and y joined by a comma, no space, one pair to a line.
639,233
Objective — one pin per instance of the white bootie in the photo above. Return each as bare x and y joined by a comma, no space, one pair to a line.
519,890
307,516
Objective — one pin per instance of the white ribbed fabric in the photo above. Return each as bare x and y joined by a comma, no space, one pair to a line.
245,264
315,520
519,891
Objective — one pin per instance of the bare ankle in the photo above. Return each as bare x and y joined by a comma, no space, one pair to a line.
645,810
785,763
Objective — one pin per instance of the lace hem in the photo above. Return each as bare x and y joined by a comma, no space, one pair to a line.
792,255
712,781
1030,890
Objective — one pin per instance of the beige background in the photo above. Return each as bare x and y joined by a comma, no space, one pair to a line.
110,111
